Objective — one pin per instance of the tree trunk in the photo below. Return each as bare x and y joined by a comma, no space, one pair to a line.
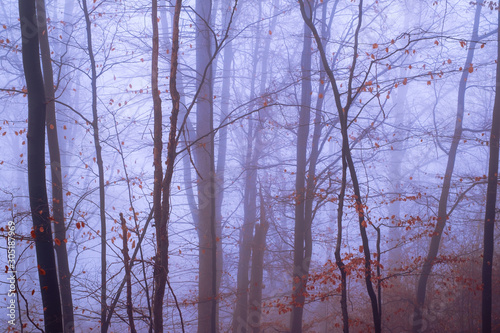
343,112
240,315
56,175
300,261
163,185
47,272
160,267
204,159
257,271
128,279
99,161
419,323
338,258
491,197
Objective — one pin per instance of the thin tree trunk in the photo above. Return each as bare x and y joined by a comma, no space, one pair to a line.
160,267
47,271
128,279
240,315
300,261
222,146
491,197
338,258
98,150
257,271
163,185
419,323
346,151
56,175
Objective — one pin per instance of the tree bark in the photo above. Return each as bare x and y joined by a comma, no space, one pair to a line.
163,185
257,271
56,174
160,267
128,279
300,261
47,272
491,198
204,159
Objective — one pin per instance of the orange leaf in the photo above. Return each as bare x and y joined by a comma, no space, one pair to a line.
375,46
57,241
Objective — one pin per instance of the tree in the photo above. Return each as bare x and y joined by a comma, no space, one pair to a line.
256,279
163,184
443,213
490,212
56,174
100,166
352,93
204,162
42,231
302,231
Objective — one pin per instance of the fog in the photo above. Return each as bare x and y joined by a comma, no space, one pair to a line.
249,166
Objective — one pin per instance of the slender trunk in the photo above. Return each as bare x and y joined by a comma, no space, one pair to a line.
257,271
491,196
419,323
300,261
47,272
98,150
159,272
128,279
338,258
163,185
56,175
222,147
240,315
204,158
346,151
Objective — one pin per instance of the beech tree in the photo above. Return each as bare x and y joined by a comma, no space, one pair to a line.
42,230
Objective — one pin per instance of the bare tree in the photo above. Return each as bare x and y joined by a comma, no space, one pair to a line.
343,111
56,174
491,199
47,270
205,164
98,151
443,213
